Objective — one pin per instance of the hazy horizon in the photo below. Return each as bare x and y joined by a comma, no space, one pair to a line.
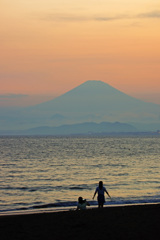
92,101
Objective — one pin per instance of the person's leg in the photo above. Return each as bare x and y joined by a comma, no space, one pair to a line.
100,201
100,205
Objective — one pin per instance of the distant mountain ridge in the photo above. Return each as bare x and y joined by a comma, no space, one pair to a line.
92,101
82,128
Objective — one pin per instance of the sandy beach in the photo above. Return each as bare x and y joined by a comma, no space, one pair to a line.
124,222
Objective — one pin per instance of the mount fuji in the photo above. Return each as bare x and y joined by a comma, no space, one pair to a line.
92,101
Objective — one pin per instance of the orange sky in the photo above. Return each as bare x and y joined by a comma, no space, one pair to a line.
49,47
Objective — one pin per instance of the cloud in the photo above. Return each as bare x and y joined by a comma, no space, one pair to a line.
12,96
153,14
63,17
105,18
68,17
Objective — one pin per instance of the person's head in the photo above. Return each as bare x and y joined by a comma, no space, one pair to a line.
100,184
80,200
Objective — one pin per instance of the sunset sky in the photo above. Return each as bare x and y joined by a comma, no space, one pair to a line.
48,47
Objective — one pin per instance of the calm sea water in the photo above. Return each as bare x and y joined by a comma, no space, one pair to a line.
52,172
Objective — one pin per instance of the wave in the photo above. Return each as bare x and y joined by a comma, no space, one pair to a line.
72,204
46,188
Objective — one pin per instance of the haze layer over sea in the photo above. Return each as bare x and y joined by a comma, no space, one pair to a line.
50,173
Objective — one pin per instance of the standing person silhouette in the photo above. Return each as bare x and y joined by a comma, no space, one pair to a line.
101,190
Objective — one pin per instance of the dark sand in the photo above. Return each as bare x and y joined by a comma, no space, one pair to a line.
129,222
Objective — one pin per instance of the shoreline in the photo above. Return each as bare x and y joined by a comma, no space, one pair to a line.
69,208
140,221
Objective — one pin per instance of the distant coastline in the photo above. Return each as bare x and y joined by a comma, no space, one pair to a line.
85,128
103,134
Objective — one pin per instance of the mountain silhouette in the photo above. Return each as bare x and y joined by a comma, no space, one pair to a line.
92,101
89,97
98,101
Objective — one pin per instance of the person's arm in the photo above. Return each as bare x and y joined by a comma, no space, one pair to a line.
108,193
94,194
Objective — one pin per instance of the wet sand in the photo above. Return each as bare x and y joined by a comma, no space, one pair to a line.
124,222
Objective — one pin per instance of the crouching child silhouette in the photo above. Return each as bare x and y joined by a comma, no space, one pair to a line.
82,204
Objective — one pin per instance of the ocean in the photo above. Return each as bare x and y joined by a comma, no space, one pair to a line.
49,173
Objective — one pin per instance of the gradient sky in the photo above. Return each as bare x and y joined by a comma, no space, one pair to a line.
48,47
